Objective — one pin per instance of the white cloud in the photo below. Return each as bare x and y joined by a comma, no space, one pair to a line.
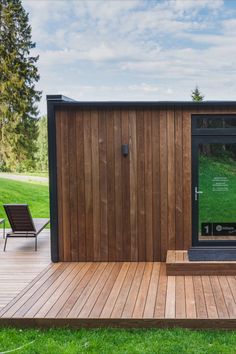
137,49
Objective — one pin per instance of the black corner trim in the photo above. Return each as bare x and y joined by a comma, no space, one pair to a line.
52,156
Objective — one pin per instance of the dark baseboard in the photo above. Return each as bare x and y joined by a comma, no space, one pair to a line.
212,254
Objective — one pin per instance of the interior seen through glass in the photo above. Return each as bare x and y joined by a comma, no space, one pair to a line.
216,122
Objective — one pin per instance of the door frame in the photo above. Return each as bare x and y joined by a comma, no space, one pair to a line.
196,140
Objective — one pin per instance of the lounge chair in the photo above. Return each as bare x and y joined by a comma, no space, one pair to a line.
22,223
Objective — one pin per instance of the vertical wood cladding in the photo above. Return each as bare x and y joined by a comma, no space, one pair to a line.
123,208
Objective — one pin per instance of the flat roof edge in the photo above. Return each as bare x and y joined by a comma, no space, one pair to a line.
60,99
145,104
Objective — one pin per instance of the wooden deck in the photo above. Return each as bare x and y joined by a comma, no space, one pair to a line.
20,264
122,295
177,263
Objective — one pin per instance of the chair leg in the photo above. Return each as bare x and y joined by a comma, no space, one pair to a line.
4,229
35,243
5,244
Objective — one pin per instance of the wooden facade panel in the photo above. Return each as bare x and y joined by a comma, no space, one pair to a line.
95,185
163,184
156,193
179,244
118,187
88,187
125,187
133,186
79,156
111,186
141,187
113,207
65,189
148,183
171,179
187,164
59,185
103,185
73,206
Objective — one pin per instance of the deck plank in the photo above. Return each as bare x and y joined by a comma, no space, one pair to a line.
102,298
228,297
161,294
49,299
121,299
209,297
219,298
74,312
108,307
232,283
152,291
20,264
50,291
25,297
61,301
133,293
199,297
88,306
170,298
72,297
143,290
129,294
180,297
40,290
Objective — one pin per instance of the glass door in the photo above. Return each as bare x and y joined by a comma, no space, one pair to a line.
214,190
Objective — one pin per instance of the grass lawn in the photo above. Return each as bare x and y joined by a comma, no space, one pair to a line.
37,174
34,194
65,341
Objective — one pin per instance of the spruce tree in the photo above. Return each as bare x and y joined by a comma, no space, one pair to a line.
18,95
196,95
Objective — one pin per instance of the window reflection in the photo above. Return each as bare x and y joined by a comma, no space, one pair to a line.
217,181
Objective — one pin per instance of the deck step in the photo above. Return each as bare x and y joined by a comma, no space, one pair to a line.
178,263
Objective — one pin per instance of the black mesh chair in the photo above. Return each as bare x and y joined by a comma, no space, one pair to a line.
22,223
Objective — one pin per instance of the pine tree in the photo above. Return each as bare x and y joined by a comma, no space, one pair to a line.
196,95
18,95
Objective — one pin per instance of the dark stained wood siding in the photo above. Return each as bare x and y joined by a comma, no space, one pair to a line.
123,208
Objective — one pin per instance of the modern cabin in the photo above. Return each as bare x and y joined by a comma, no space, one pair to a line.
130,181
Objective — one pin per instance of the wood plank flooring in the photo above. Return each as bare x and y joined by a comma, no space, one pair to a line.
20,264
177,263
123,294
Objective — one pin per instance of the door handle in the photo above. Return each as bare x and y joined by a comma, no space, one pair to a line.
196,193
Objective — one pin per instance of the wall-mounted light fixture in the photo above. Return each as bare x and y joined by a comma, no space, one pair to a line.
125,149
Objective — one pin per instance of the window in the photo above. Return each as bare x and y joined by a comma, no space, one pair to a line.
210,124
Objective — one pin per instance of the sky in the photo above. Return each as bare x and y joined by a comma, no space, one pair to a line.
139,50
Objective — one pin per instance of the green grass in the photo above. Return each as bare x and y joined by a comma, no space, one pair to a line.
37,174
34,194
65,341
217,206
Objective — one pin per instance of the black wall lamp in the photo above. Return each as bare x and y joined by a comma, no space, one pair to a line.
125,149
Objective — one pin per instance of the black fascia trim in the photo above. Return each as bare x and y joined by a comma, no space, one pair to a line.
59,98
145,104
52,159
